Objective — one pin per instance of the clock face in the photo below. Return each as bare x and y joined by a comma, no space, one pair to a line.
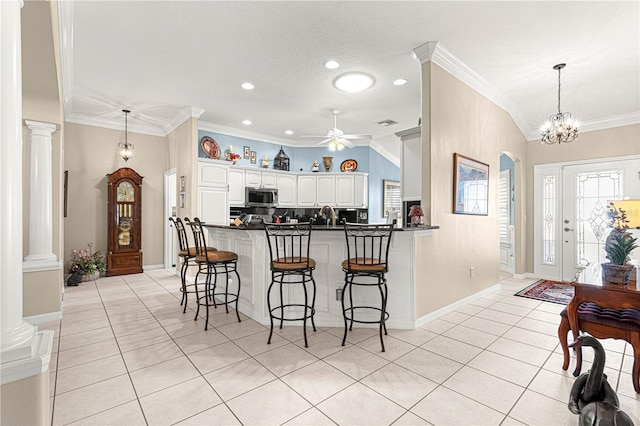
125,192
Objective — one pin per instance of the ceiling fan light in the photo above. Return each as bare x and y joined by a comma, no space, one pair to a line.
353,82
332,146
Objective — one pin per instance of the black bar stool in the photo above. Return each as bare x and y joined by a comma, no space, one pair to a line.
289,252
213,262
367,255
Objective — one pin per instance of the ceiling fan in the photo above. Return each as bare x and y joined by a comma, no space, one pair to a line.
336,138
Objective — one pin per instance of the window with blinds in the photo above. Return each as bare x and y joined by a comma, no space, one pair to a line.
504,195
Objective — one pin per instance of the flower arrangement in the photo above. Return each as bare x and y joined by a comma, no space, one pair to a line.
416,215
230,155
620,242
87,261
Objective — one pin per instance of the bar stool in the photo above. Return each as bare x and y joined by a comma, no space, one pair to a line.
367,255
213,262
186,253
289,253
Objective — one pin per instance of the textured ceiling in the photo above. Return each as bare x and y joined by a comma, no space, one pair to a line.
160,58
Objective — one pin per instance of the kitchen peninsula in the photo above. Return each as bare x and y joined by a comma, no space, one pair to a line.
328,248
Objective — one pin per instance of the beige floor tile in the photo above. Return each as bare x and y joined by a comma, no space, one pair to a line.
285,359
437,326
508,308
125,414
85,338
238,378
470,309
200,340
150,355
311,417
356,362
256,344
553,308
163,375
142,339
217,357
498,316
354,336
322,344
532,338
414,337
553,385
71,327
410,419
455,317
318,381
428,364
264,405
179,402
88,353
400,385
520,351
82,306
625,385
485,388
506,368
511,422
135,316
484,303
92,399
52,383
128,328
452,349
539,326
533,408
218,415
522,302
294,332
237,330
486,325
470,336
544,316
84,315
631,406
394,348
89,373
348,407
446,407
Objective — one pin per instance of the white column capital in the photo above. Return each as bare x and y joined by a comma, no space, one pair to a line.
42,129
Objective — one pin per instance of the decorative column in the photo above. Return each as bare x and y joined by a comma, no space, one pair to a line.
40,199
23,351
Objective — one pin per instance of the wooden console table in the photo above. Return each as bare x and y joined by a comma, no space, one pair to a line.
607,296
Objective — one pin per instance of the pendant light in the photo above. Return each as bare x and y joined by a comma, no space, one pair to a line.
126,149
560,128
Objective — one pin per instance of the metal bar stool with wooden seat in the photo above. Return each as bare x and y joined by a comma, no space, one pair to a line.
289,253
186,253
213,262
366,266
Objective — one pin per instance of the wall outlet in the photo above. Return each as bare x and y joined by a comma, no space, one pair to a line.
472,272
338,294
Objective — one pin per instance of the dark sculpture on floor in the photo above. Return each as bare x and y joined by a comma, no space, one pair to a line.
592,397
75,278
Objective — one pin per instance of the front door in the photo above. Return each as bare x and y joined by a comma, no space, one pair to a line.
586,189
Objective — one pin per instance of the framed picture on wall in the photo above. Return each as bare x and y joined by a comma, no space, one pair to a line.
183,183
253,157
470,186
183,200
246,152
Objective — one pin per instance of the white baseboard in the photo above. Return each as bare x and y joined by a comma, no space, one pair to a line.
44,318
524,276
151,267
455,306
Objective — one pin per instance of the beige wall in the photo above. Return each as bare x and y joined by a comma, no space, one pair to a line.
615,142
90,154
26,401
458,119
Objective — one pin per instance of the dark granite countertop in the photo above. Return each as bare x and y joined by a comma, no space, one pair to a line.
260,227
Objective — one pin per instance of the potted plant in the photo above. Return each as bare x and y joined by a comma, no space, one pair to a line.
619,244
85,265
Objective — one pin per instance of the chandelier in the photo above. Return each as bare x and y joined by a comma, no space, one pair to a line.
126,149
560,127
335,145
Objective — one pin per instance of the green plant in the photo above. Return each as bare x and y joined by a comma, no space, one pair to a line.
620,242
86,261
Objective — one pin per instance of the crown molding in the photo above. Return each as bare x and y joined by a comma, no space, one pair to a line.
628,119
110,124
182,116
380,149
424,52
241,133
65,32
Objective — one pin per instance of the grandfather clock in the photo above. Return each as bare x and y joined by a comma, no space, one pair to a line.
125,222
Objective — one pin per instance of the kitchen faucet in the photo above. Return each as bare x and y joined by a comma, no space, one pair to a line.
333,214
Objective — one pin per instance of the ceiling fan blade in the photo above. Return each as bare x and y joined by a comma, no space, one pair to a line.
313,136
325,141
363,137
346,142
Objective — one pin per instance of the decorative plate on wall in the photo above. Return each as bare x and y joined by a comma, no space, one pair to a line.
210,147
349,166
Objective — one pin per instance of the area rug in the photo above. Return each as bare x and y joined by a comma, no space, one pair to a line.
549,291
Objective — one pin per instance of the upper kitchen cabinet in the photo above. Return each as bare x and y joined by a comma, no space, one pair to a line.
307,187
260,179
411,166
361,190
236,187
213,173
269,180
345,190
287,185
213,192
336,190
326,190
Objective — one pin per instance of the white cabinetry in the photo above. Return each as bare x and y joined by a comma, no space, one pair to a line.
411,166
326,190
213,192
253,178
307,185
236,187
286,184
361,191
269,180
345,194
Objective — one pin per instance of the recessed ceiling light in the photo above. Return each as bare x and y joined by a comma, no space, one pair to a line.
288,132
400,82
353,82
332,65
246,122
247,86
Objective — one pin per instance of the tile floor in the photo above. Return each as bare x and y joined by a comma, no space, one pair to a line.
125,354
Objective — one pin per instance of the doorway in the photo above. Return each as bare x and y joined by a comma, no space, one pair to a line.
170,240
570,220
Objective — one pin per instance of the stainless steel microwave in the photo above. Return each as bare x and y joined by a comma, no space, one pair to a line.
261,197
